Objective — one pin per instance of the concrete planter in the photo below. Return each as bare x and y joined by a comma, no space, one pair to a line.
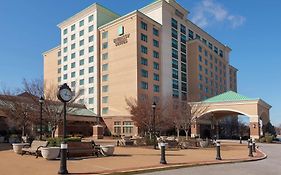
107,150
50,153
17,147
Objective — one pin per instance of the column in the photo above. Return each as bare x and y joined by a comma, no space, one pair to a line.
195,130
254,127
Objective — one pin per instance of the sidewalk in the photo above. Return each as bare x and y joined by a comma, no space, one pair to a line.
125,159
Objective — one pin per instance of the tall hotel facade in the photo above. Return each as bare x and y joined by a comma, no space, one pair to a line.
153,53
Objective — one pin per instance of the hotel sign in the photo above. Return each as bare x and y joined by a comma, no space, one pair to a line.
122,39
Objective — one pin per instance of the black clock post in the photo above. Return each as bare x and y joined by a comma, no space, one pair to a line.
64,95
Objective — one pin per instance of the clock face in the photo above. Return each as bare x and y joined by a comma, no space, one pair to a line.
65,94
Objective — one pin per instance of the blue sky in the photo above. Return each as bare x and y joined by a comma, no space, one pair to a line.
251,28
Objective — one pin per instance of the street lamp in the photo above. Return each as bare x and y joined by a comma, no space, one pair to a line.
154,135
41,101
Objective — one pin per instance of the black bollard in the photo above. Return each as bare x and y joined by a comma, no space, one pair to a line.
163,158
240,140
218,151
254,146
251,150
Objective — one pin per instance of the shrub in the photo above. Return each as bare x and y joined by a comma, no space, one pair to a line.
268,138
57,141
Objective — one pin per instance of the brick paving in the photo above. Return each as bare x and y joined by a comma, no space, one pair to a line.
125,159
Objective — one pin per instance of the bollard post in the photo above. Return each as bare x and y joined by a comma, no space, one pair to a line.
163,158
240,140
218,145
251,150
254,146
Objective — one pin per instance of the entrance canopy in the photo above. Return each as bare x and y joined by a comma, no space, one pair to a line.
233,103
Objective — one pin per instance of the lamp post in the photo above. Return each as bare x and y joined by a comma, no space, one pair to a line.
64,95
41,101
154,135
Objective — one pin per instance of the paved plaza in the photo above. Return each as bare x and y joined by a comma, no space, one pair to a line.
125,159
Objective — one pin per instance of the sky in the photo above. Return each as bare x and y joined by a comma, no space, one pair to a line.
250,28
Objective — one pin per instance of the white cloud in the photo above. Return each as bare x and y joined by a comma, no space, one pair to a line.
209,12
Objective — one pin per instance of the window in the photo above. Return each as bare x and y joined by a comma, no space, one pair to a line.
91,38
155,32
144,85
204,41
183,38
65,31
200,58
65,40
198,37
174,33
59,79
183,67
175,84
175,74
91,69
73,83
155,54
183,58
91,59
65,76
183,29
65,49
190,34
105,88
200,49
174,63
144,61
221,53
174,53
91,100
216,49
211,46
174,43
105,99
105,78
91,49
65,67
73,27
104,56
183,77
65,58
91,90
175,93
155,43
81,82
200,67
81,52
73,55
91,28
174,23
81,42
144,73
144,37
81,33
104,67
143,25
91,80
200,77
81,62
155,77
73,37
59,53
206,53
206,62
59,70
81,91
81,72
104,45
183,87
144,49
105,110
156,88
72,74
73,65
183,48
72,46
59,62
91,18
104,35
81,23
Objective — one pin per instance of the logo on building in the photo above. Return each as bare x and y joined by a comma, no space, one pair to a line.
123,38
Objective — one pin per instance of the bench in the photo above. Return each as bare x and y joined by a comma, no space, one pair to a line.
34,148
78,149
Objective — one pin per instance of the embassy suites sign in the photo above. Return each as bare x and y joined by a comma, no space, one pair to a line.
121,40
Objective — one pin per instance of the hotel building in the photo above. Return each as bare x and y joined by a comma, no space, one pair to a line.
153,53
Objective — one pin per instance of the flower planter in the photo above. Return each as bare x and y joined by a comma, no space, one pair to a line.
17,147
107,150
50,153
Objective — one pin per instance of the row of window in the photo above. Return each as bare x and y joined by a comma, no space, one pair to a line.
144,50
81,24
144,85
145,27
81,33
145,39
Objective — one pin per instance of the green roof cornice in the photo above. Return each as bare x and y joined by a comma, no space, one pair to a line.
229,96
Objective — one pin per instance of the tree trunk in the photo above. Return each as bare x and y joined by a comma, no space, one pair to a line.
54,131
178,133
186,134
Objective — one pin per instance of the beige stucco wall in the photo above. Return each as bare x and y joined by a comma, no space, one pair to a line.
51,68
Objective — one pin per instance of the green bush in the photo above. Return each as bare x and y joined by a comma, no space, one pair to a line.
57,141
262,139
269,138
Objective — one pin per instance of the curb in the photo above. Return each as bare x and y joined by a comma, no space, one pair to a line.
187,165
